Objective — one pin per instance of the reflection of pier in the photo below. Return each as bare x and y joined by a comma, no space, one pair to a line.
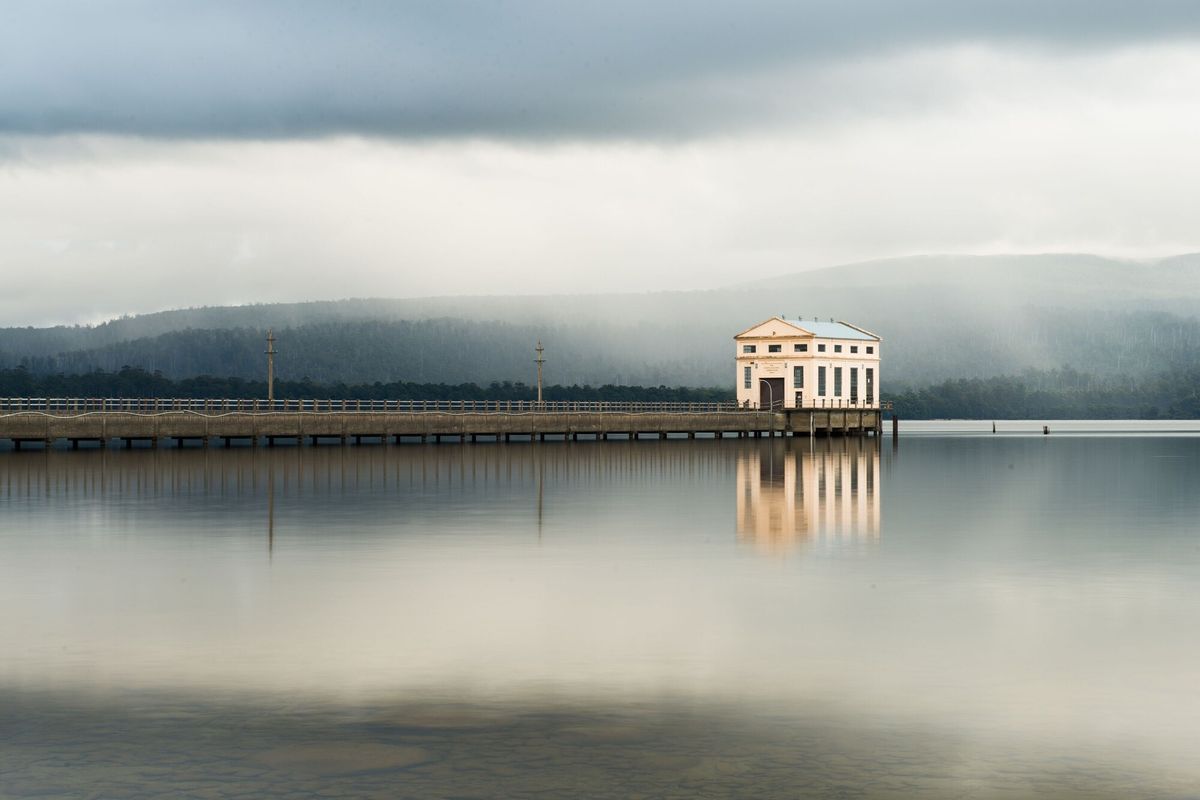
819,492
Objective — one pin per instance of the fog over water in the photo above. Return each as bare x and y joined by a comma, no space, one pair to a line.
962,613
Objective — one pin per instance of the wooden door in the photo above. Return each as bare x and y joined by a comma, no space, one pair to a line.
770,392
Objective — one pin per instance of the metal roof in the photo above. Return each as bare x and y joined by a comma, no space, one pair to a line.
831,330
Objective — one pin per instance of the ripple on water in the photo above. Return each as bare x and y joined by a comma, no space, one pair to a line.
341,758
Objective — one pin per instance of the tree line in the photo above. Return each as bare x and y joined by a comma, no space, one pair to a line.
140,383
1054,394
1048,394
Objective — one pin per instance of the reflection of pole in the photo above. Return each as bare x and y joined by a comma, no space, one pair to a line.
539,469
270,365
539,361
270,509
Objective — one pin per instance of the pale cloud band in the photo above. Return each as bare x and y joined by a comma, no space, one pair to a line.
158,154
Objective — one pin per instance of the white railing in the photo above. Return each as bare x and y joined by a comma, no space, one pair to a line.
70,405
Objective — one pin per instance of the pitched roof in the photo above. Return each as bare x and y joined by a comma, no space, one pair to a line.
832,330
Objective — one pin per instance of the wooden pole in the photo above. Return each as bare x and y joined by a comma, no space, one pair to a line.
539,361
270,366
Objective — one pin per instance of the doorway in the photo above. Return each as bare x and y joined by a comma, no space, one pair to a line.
770,392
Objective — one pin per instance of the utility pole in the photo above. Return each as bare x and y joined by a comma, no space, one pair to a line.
539,361
270,365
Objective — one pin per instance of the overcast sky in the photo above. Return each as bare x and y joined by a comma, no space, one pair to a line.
161,154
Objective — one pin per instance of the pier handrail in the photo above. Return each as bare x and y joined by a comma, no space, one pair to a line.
78,405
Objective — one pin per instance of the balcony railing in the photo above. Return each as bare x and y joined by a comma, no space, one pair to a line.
824,404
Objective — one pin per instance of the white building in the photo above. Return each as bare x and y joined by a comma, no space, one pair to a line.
802,363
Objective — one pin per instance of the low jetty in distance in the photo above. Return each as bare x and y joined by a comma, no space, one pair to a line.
101,421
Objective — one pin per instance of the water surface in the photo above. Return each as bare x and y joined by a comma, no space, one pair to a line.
961,615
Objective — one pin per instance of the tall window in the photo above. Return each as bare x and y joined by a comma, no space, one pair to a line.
821,381
798,377
745,377
854,384
774,348
749,348
801,348
870,385
837,381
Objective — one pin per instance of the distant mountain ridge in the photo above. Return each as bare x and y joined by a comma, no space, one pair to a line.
941,316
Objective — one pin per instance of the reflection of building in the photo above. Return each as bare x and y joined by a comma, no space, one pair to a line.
794,491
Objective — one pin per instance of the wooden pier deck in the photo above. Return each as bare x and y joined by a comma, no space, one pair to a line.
99,422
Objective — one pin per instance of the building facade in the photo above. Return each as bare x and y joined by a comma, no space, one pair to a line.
800,363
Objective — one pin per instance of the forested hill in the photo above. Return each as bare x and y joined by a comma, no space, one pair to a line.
941,317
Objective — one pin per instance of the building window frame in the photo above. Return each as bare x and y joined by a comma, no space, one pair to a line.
837,348
800,348
822,373
774,348
798,377
747,378
749,348
820,348
837,381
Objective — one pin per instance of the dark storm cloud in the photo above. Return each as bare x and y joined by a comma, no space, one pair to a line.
544,68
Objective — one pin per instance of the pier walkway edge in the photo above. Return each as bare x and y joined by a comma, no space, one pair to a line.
40,420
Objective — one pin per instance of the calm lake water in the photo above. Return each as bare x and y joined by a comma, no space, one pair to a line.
964,615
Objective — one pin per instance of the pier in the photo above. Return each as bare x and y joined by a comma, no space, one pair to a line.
99,422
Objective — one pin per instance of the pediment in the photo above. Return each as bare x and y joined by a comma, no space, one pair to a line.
773,328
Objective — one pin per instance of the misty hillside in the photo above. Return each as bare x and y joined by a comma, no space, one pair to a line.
940,317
